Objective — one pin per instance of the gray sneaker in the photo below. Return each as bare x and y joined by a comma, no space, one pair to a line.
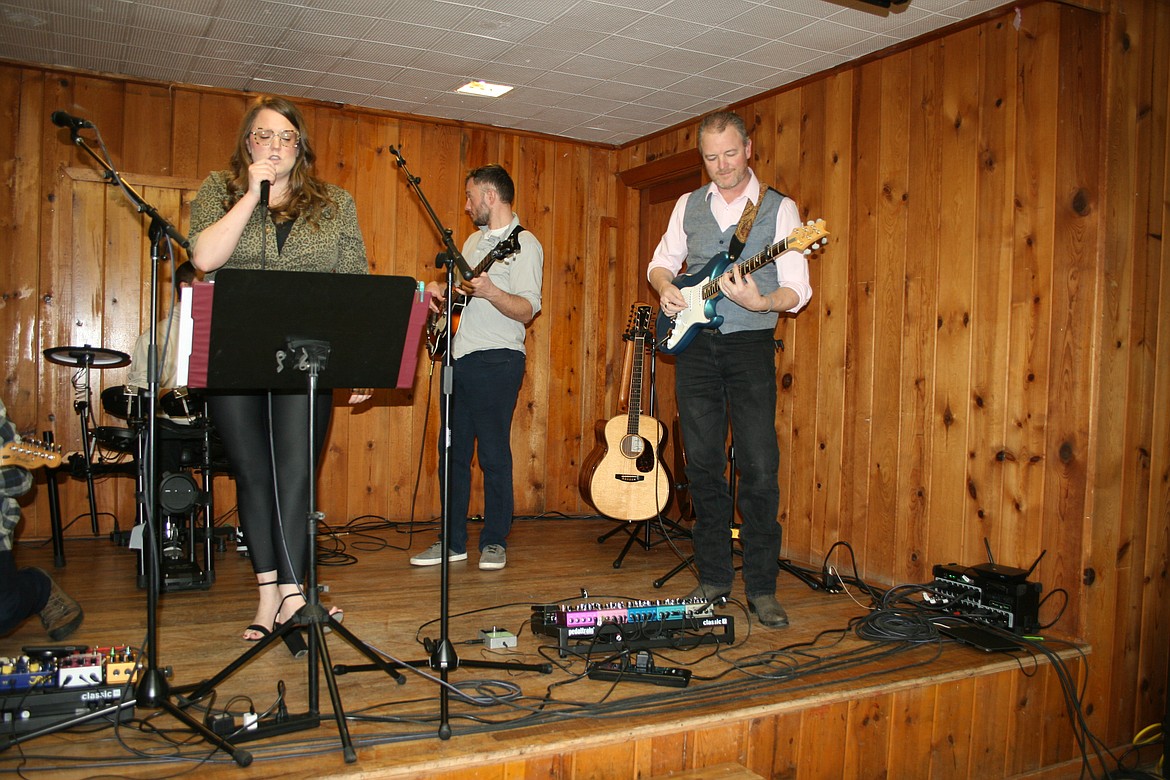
433,556
494,556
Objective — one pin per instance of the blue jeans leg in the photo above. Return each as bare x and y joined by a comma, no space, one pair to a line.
483,402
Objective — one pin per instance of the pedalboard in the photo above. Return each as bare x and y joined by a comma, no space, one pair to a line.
48,685
641,669
989,593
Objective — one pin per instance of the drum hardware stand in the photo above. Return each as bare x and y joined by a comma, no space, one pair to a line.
152,689
443,658
84,358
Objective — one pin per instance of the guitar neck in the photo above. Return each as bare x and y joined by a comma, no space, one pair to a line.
747,267
635,400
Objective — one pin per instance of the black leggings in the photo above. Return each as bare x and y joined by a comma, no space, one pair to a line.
272,476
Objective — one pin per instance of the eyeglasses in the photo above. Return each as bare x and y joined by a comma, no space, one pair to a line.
287,137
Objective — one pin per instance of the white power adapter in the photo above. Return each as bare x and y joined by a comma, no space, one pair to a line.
497,638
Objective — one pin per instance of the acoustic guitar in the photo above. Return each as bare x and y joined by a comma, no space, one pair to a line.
701,289
437,325
624,478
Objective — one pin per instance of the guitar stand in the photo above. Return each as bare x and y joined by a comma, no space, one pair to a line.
638,532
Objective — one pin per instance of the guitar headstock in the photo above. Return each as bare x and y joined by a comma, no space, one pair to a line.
641,322
807,238
30,454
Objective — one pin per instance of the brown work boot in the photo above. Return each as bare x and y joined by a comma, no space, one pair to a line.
62,614
769,611
711,594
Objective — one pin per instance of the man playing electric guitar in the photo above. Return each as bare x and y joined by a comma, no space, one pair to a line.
729,374
488,368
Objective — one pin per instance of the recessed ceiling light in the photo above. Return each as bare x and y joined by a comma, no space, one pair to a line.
484,89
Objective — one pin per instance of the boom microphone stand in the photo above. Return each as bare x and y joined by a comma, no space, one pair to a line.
152,689
443,657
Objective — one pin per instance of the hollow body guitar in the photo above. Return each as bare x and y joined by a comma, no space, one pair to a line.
436,329
624,478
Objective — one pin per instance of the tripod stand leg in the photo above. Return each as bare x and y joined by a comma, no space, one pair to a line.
318,636
239,755
688,561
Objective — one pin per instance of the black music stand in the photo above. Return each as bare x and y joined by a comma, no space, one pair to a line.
280,330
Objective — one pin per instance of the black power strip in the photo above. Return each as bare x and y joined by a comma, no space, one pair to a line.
641,670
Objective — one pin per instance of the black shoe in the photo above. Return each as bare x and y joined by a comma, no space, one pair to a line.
708,593
769,611
294,640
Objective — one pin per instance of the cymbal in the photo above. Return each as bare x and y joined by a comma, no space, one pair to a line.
87,356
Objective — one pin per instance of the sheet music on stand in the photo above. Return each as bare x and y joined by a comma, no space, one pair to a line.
186,333
231,352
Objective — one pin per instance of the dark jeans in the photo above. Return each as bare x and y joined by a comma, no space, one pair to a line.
486,386
23,592
272,470
722,376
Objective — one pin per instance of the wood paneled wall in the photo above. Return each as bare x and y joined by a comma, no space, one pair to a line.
985,355
78,271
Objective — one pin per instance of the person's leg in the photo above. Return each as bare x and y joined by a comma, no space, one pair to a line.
462,447
702,407
749,361
501,374
23,592
242,423
294,473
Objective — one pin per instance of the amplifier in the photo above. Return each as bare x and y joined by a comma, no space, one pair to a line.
988,593
37,709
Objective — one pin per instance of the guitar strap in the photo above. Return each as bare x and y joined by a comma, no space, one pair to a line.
744,228
511,240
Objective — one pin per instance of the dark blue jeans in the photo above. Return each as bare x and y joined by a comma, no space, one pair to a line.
483,400
23,592
722,378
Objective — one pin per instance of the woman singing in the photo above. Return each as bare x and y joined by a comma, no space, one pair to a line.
303,224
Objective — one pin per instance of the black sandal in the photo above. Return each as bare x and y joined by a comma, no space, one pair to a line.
294,640
263,631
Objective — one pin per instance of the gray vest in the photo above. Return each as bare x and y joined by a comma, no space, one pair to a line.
705,240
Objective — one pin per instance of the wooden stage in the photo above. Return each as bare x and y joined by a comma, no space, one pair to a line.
810,701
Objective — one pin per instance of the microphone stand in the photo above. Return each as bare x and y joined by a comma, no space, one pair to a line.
443,657
152,689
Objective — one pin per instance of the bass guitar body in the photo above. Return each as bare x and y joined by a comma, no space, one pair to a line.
701,289
628,481
673,335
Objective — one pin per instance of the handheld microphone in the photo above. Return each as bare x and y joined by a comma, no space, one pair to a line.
61,119
264,185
